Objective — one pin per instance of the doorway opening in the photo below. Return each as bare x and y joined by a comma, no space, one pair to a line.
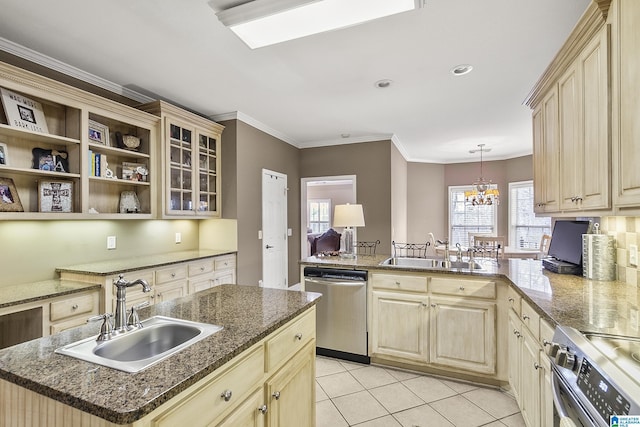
318,199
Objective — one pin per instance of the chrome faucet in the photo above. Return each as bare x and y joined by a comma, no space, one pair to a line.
447,255
121,301
458,252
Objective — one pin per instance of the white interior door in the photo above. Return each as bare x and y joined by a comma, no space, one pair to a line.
274,229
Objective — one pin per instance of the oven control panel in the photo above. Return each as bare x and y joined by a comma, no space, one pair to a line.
602,395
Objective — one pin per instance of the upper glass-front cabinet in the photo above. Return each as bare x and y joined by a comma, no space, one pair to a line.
191,162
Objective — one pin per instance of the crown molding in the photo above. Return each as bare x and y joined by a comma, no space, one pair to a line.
69,70
245,118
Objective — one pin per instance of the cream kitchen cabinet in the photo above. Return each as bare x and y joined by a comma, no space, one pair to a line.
400,325
546,190
190,163
71,311
444,322
529,368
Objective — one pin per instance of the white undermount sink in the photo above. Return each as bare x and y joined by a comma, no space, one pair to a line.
159,338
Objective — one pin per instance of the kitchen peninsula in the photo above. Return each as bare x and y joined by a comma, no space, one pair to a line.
266,346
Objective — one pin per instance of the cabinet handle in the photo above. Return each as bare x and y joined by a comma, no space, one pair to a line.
397,283
511,299
226,264
517,333
74,307
536,366
525,317
276,395
545,342
462,288
226,395
424,304
263,409
433,305
299,336
173,274
201,268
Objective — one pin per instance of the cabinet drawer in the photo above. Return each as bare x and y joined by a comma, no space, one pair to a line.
207,403
72,307
292,338
56,328
530,319
170,274
225,263
514,300
197,268
399,282
546,332
462,287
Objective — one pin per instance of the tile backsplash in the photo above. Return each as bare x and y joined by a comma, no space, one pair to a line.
625,230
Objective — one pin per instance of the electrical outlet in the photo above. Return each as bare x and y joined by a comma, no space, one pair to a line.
178,237
111,242
633,255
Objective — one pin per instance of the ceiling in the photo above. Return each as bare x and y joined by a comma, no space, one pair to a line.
320,90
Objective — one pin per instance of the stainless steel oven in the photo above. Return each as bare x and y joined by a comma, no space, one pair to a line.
594,377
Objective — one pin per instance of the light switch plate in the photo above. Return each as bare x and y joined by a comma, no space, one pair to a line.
111,242
178,238
633,255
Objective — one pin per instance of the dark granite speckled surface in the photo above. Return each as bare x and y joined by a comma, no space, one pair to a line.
247,314
108,267
30,292
587,305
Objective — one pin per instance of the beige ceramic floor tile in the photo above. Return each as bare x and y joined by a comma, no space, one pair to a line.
339,384
328,416
513,421
350,366
494,424
359,407
494,402
402,375
429,389
325,366
422,416
396,397
387,421
372,376
461,412
320,394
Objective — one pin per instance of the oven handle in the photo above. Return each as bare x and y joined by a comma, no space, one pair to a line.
565,420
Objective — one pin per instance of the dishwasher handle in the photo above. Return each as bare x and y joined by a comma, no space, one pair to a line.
334,282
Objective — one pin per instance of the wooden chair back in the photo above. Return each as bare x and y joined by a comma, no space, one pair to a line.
492,245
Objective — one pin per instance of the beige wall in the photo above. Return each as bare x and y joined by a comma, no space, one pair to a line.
426,197
31,250
255,150
432,200
371,163
398,196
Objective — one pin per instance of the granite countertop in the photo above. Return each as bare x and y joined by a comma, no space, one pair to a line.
30,292
247,314
109,267
587,305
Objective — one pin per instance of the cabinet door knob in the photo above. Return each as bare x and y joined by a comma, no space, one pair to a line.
462,288
263,409
226,395
433,305
525,317
397,283
536,366
173,274
276,395
299,336
424,304
511,299
74,307
201,268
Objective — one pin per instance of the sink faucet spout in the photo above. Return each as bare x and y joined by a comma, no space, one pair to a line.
121,301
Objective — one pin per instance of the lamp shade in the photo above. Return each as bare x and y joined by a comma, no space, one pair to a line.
348,216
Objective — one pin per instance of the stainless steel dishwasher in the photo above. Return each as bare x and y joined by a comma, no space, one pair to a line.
341,312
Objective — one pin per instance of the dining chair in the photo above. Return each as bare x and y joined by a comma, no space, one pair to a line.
493,245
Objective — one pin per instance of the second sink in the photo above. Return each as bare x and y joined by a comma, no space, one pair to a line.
431,263
159,338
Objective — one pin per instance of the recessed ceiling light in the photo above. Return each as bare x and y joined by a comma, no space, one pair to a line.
461,70
345,135
383,84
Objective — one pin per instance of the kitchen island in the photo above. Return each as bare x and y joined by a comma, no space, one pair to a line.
562,299
52,389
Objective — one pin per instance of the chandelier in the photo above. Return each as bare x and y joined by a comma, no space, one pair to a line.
483,192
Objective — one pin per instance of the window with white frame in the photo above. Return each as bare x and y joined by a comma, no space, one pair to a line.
525,229
319,215
465,218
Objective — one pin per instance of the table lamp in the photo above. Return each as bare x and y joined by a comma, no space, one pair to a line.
348,216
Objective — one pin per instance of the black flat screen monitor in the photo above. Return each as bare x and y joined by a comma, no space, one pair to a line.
566,241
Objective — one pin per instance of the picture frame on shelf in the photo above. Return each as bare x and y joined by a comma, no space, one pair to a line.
99,133
9,198
55,196
134,171
4,154
23,112
50,160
